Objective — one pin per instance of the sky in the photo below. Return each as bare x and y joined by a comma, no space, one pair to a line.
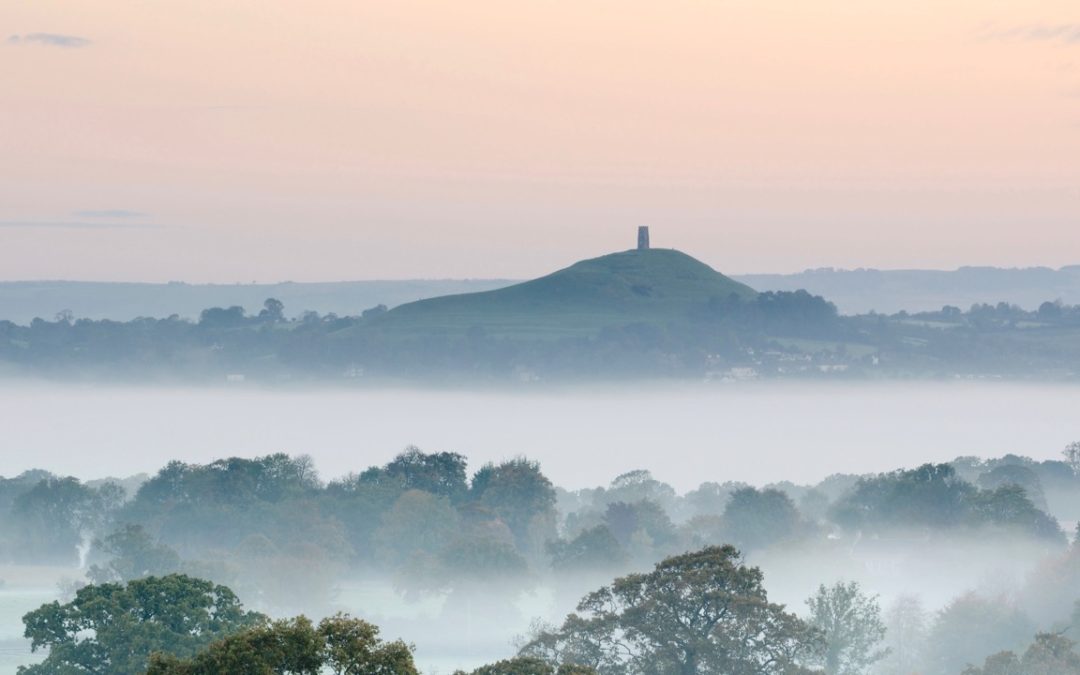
261,140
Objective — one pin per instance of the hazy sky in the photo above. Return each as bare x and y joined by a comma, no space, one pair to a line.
239,140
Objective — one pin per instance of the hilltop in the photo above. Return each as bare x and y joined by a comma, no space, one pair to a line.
650,286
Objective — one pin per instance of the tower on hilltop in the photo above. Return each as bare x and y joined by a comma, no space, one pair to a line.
643,238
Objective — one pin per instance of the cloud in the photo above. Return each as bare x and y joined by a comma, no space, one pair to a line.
49,40
1065,33
1068,33
109,213
70,225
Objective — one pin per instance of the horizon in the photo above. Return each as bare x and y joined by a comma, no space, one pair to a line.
472,277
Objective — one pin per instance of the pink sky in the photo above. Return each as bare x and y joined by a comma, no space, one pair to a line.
240,140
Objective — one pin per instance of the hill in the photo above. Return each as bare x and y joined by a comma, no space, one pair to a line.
650,286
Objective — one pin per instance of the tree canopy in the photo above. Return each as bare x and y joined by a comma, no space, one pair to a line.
1050,654
699,613
112,629
339,644
851,622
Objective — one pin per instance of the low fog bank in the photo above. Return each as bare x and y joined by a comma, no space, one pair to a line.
751,432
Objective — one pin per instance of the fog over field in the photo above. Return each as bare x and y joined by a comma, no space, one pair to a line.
684,433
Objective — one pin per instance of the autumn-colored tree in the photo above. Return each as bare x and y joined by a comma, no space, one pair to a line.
340,644
528,665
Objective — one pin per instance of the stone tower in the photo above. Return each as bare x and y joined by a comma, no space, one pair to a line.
643,238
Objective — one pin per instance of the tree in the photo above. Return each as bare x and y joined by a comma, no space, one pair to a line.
1050,311
591,550
905,636
273,311
931,496
418,522
969,629
640,527
756,518
219,317
527,665
58,514
199,506
1072,456
111,629
441,473
1074,625
481,560
132,554
1009,506
639,485
1015,474
851,623
520,495
340,644
232,481
1002,663
374,312
700,613
1050,654
710,499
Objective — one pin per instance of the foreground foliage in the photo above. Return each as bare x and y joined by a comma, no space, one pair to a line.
699,613
112,629
528,665
340,644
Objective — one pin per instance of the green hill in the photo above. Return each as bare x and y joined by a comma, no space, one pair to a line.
654,285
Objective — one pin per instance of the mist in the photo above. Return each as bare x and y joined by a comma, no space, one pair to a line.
752,432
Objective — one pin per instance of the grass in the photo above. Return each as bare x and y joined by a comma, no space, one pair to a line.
652,286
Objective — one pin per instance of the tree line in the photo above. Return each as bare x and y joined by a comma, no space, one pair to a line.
778,334
703,612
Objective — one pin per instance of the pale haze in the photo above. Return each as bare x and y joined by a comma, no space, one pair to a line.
240,140
757,433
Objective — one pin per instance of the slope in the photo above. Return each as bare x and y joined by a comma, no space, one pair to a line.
652,286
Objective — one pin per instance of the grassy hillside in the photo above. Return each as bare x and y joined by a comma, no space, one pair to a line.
655,285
